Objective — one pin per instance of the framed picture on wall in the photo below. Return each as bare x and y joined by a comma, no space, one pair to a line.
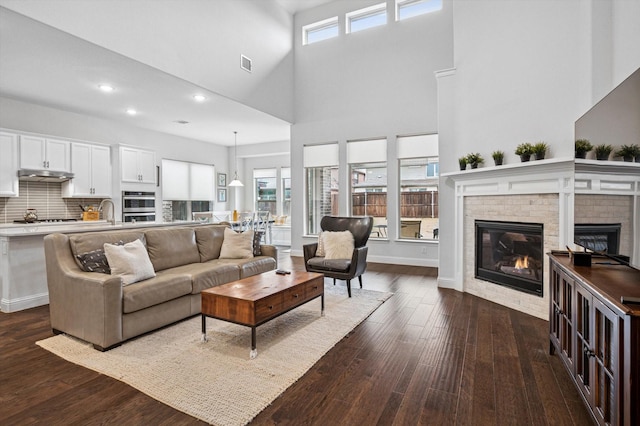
222,180
222,195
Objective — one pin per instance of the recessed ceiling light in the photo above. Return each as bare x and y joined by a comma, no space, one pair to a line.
106,88
199,98
181,122
132,111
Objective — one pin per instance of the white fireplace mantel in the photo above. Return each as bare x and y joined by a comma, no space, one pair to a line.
562,176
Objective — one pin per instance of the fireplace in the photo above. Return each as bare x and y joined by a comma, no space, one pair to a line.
510,254
602,237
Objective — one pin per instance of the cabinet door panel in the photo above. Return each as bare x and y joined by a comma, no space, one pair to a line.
8,165
147,166
584,343
81,168
606,363
32,152
129,164
101,171
58,155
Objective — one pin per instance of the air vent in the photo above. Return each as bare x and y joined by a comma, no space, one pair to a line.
245,63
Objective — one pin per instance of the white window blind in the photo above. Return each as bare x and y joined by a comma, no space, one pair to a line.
202,184
321,155
367,151
418,146
175,180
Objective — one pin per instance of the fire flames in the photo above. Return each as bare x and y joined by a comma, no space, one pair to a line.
522,263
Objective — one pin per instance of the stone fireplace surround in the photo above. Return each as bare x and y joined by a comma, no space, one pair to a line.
538,192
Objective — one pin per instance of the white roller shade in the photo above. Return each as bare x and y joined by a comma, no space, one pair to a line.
265,173
202,182
369,151
418,146
285,172
321,155
175,180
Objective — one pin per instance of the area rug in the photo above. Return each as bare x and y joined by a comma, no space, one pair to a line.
215,381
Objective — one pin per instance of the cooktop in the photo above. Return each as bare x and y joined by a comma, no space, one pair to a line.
45,220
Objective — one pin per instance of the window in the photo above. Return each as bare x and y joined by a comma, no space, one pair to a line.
320,31
265,190
285,175
368,17
410,8
321,184
368,172
419,171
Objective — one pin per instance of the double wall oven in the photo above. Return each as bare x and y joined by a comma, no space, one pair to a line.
138,206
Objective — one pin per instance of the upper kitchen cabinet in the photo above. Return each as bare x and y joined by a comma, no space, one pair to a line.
38,153
8,165
137,165
91,166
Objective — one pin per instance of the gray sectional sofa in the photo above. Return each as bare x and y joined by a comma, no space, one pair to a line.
98,308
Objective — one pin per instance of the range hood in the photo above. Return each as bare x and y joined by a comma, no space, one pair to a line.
43,175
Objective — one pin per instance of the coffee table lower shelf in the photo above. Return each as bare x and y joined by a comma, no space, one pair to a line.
256,300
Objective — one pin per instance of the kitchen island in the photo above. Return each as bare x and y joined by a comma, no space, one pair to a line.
23,275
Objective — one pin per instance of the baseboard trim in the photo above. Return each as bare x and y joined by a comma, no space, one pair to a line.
444,282
429,263
22,303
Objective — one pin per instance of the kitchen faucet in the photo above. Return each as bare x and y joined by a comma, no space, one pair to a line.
113,210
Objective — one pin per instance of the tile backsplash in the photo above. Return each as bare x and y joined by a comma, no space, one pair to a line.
46,197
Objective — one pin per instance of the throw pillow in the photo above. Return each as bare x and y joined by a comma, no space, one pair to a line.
257,238
95,260
130,261
338,245
237,245
320,248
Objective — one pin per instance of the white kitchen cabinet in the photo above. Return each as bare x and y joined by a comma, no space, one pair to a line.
137,165
8,165
91,166
40,153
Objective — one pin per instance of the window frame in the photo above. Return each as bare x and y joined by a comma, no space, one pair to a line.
405,4
364,13
318,26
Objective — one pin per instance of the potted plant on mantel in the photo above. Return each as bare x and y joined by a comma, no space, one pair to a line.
498,157
524,150
539,150
603,151
463,163
628,152
582,147
474,159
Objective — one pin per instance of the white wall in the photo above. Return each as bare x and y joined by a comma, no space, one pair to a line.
198,41
375,83
525,72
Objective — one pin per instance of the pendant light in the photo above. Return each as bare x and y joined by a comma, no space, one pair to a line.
236,181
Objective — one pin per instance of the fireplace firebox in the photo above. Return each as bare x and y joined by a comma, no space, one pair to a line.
510,254
603,237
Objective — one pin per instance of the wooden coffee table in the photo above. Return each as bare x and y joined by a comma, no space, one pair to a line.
255,300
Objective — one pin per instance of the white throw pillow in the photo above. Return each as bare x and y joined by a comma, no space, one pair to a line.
320,248
237,246
130,261
338,245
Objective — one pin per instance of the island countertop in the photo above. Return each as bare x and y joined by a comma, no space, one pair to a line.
44,228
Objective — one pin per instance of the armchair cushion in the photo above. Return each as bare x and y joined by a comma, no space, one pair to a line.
336,265
338,244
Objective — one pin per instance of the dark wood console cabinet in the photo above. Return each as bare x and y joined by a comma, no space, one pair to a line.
596,336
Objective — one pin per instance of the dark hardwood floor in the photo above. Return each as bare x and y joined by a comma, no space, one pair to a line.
426,356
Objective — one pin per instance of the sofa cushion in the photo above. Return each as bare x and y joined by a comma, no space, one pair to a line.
336,265
209,239
253,266
237,245
130,261
165,286
90,241
170,247
209,274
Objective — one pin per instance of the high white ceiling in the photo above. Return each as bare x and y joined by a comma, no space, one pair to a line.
43,65
294,6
